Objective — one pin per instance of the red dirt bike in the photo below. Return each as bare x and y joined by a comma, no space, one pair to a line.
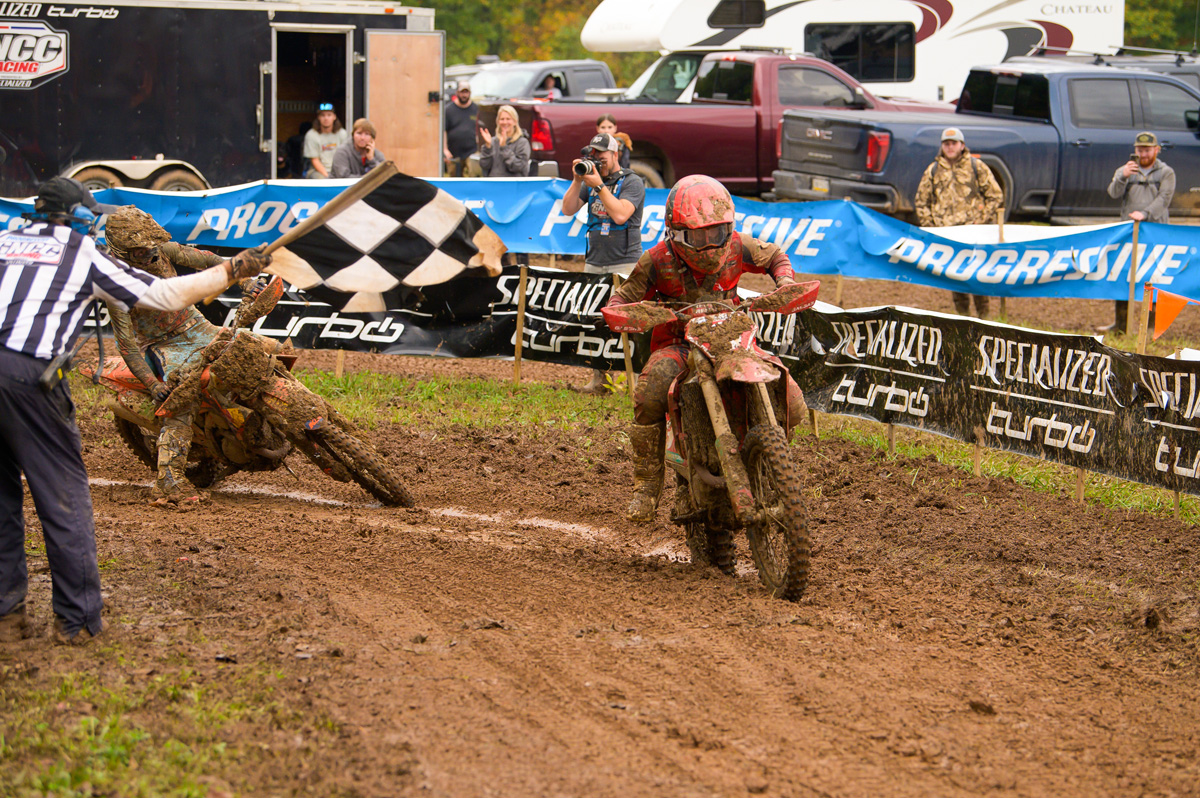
250,414
727,412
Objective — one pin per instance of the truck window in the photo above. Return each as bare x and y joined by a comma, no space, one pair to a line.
738,14
1026,96
1164,105
1190,78
585,79
1101,103
729,81
807,86
881,52
665,80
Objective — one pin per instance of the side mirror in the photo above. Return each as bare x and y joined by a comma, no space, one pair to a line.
860,98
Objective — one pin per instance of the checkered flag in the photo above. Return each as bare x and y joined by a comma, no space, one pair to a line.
382,236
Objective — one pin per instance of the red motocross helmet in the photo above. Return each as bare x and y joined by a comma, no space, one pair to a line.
700,222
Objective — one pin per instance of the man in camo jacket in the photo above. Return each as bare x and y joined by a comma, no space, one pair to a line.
958,188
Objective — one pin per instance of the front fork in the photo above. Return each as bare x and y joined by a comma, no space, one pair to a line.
737,481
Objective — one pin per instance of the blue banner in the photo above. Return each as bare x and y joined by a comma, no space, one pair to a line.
834,238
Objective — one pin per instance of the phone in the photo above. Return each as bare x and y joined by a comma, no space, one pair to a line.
1133,156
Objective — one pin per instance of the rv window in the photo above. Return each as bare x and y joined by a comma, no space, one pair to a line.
731,81
804,86
1164,106
665,80
1101,103
880,52
738,14
1026,96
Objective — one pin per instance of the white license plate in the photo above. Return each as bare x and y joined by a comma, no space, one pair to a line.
820,184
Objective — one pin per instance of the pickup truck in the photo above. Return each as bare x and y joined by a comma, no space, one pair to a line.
1052,133
727,130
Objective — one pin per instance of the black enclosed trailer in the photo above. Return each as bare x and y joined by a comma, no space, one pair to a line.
191,93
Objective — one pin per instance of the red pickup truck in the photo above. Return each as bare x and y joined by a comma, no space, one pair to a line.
726,127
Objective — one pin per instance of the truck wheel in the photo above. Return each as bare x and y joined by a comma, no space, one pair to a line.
647,173
177,180
97,178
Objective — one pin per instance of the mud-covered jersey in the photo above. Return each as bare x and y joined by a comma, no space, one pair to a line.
48,273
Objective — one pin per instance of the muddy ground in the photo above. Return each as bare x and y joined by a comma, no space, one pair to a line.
515,636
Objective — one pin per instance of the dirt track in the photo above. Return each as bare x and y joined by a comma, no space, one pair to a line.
515,636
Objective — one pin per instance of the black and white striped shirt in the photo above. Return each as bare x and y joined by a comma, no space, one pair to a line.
48,274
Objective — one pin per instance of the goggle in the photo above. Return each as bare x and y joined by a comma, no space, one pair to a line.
703,237
141,255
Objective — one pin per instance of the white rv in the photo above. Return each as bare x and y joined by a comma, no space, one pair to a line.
914,48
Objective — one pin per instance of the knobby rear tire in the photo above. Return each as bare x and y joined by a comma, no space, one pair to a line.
781,545
365,466
135,439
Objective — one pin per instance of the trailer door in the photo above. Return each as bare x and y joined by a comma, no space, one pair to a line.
310,64
404,98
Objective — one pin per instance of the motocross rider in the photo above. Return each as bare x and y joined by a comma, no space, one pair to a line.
700,259
156,344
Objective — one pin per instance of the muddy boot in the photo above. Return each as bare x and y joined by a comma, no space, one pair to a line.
962,303
647,443
797,407
172,486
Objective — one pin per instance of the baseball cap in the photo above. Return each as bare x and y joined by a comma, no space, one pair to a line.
602,142
325,107
61,194
1145,139
953,134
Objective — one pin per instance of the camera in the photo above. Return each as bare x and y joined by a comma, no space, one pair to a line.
585,167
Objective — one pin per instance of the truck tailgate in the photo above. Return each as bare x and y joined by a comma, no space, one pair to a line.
836,143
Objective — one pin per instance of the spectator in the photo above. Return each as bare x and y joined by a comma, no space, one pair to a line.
958,189
607,123
614,198
507,153
357,155
320,142
1145,186
550,87
461,118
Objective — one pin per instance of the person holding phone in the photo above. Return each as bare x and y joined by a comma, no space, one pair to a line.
1145,186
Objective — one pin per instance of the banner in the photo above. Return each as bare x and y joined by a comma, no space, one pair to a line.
835,238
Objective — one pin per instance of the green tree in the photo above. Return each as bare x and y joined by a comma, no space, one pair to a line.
1161,24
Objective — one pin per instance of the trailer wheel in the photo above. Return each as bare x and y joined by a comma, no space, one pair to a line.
97,178
177,180
647,173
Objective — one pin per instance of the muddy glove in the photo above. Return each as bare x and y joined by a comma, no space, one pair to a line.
247,263
160,391
786,279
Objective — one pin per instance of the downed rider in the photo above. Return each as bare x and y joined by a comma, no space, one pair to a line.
701,259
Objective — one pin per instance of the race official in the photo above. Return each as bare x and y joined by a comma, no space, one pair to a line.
958,188
614,198
1145,186
49,272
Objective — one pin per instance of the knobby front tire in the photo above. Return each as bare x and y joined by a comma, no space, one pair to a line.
780,545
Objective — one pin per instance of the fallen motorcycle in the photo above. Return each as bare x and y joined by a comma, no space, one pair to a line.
250,414
727,412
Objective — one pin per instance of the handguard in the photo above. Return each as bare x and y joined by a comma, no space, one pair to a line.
636,317
787,299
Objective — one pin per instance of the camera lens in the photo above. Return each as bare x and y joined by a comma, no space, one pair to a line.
584,168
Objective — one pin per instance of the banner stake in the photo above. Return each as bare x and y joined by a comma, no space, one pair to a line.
812,421
891,440
520,325
1133,269
339,364
837,291
977,461
625,348
1000,239
1080,479
1177,507
1144,322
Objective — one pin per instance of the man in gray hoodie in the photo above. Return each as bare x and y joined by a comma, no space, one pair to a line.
1145,186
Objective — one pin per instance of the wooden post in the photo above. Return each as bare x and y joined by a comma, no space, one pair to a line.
1144,322
837,291
1000,240
812,421
625,347
1133,269
891,440
1080,479
552,261
520,325
339,364
977,461
1178,509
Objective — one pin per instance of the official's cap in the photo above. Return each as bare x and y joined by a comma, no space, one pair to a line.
602,142
61,194
325,107
953,134
1145,139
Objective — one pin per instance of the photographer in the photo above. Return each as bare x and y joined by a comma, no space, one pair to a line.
56,269
614,199
1145,186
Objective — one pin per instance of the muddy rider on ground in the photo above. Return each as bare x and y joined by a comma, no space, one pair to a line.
701,259
156,344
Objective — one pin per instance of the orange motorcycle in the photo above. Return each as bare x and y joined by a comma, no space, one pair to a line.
250,413
726,440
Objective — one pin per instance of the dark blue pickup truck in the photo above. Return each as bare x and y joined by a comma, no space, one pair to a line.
1053,134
